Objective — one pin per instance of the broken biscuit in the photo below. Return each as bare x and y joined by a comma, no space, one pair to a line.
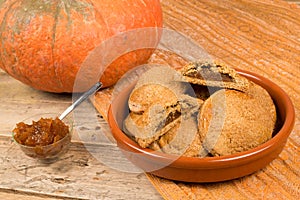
214,74
182,139
156,121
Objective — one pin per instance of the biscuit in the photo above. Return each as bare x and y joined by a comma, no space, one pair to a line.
231,121
182,139
148,126
147,95
214,74
160,85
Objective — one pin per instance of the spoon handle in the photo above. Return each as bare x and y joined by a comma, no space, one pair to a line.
83,97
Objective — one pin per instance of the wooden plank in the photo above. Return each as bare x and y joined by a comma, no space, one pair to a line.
88,171
13,195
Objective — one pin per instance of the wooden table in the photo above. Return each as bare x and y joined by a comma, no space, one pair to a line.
77,175
81,175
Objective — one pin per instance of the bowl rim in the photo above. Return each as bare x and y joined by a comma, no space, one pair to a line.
240,158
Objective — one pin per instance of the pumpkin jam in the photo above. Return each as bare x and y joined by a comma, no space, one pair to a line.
40,133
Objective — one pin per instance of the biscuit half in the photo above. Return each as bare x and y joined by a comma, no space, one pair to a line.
147,95
182,139
161,85
214,74
148,126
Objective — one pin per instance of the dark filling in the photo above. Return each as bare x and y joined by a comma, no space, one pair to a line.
205,73
204,92
172,116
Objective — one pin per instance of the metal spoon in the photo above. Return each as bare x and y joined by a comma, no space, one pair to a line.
83,97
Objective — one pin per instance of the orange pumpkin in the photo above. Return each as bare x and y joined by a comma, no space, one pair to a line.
44,43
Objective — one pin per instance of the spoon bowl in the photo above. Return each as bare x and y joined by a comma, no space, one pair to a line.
51,152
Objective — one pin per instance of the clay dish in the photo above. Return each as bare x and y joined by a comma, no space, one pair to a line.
208,169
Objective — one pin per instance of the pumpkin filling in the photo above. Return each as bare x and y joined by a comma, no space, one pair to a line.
172,116
206,72
43,132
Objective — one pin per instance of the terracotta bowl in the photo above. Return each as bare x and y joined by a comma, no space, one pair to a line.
209,169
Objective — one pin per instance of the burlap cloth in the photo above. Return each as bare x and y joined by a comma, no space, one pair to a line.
261,36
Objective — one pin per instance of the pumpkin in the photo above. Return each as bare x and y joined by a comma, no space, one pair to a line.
44,43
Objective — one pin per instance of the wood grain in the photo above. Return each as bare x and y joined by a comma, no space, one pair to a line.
79,174
293,1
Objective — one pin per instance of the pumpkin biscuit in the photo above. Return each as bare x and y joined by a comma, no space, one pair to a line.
182,139
231,121
158,85
151,124
214,74
148,126
147,95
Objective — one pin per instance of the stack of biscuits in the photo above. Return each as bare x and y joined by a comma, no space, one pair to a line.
204,109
